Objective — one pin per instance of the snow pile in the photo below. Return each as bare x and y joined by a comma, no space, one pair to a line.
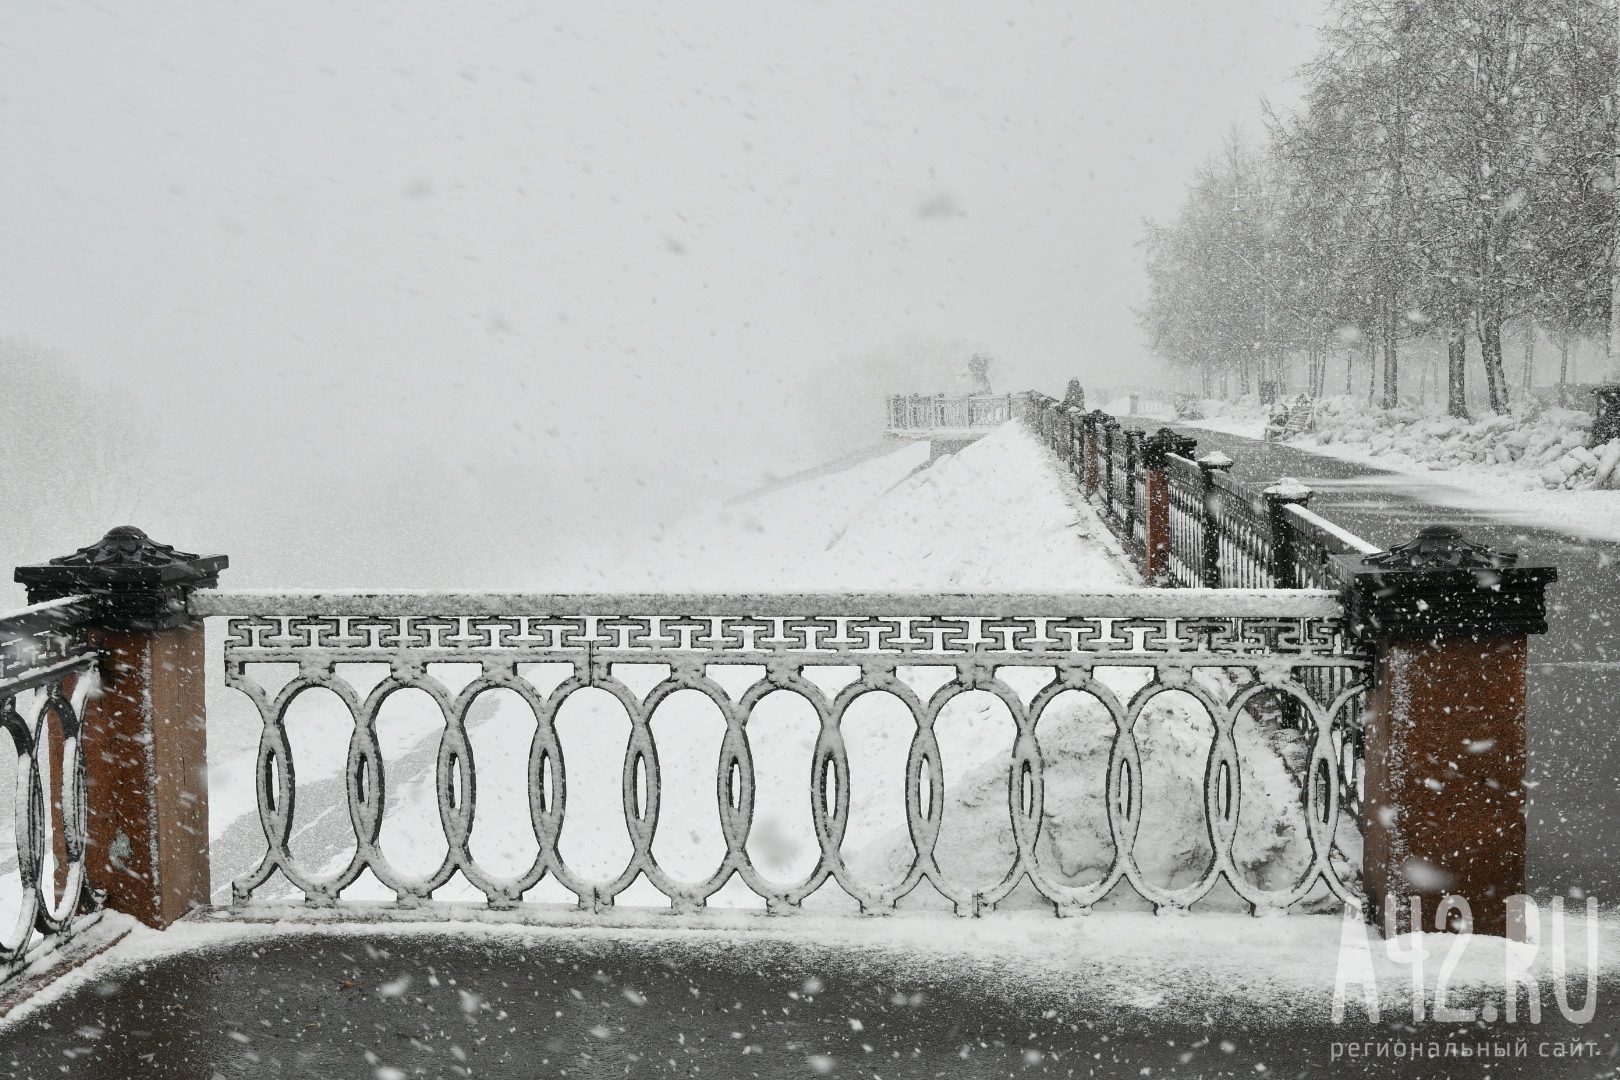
1533,447
1271,850
1547,447
1241,416
1000,514
997,516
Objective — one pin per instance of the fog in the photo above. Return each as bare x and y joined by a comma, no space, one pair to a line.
483,294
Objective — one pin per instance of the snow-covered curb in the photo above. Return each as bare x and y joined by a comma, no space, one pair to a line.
1276,970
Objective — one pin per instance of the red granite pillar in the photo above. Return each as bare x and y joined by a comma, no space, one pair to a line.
145,737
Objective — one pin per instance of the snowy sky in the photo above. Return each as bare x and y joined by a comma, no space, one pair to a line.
594,245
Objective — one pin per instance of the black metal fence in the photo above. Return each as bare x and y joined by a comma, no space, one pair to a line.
1185,520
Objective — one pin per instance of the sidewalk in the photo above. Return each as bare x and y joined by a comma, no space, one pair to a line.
871,1001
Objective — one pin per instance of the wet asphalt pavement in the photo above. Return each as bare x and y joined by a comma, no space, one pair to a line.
383,1007
1574,727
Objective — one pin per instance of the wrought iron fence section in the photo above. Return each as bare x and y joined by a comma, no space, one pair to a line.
46,672
1225,650
1186,483
1244,526
1316,540
1222,533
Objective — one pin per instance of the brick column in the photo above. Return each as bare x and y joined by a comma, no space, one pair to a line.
1448,622
1093,423
1133,462
145,738
1156,514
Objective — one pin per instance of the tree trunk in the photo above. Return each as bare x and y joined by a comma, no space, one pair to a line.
1529,357
1563,363
1372,369
1456,372
1490,351
1392,356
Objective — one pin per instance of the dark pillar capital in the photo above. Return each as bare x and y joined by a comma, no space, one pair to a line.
1163,443
1440,585
1288,491
137,583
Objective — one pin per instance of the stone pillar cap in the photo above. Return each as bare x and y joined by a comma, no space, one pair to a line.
1215,460
1287,489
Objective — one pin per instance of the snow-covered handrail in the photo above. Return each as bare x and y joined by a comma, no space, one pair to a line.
1232,663
1123,604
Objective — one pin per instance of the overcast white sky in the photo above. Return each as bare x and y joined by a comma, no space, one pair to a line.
593,246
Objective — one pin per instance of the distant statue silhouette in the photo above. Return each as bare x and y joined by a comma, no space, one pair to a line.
1075,396
979,369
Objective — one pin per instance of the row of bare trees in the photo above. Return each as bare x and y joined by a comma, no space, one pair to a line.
1451,168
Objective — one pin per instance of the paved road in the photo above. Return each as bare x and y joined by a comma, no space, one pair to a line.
1575,668
381,1007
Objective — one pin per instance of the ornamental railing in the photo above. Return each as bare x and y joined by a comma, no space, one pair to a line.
1184,520
1101,696
918,412
46,671
1203,747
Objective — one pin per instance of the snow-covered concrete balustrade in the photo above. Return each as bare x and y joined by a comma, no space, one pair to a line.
921,412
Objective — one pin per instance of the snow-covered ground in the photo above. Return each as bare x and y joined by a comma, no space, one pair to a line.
996,516
1533,466
1136,967
999,515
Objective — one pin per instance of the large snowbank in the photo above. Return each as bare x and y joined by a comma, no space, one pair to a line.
997,516
1533,446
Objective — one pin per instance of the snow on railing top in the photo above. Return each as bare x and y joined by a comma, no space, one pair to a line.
1125,604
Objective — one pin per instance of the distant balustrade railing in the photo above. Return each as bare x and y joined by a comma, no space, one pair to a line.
1185,521
47,670
1098,693
916,412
